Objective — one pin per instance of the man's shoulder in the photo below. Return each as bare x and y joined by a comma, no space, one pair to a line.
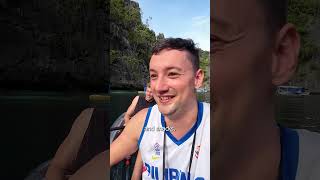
309,139
206,115
309,155
206,104
134,127
309,142
206,108
307,133
140,116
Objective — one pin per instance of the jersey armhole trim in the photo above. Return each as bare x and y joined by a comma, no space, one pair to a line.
144,125
289,153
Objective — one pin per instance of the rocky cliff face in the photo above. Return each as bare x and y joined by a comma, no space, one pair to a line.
124,76
53,45
130,44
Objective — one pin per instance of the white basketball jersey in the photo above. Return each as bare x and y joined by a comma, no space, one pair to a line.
177,152
308,167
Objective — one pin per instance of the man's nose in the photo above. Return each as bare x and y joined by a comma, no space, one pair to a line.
161,85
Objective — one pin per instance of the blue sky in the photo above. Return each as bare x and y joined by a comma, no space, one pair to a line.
179,18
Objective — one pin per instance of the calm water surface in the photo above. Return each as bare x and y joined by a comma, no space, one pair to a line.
33,126
35,123
301,112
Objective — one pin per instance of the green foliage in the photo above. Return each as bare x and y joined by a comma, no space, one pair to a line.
132,40
305,14
204,59
205,66
160,36
128,34
114,54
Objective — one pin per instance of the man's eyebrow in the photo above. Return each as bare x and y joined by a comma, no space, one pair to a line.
173,68
167,69
152,70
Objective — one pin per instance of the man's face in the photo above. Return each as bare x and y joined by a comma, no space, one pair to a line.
241,53
172,80
149,96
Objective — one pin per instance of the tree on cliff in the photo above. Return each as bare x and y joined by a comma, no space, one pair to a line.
131,43
306,16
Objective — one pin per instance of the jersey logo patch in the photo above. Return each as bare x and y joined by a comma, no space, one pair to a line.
153,157
156,149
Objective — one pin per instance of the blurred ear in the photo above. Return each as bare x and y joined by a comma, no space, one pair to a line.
285,61
199,78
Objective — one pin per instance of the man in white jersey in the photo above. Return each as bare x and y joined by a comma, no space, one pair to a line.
174,135
254,49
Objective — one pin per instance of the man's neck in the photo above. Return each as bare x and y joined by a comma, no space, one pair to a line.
181,122
246,142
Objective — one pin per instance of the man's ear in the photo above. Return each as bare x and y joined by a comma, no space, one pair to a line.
199,78
285,60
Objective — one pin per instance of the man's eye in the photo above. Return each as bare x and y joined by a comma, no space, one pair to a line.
153,76
173,75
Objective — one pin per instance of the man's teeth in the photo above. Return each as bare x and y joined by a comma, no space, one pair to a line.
165,98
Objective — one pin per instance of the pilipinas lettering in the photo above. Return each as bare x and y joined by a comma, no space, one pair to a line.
170,173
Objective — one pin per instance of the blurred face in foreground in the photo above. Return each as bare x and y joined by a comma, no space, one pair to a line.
173,81
241,52
248,59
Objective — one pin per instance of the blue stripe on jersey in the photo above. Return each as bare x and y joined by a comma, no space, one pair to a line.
191,131
144,125
289,153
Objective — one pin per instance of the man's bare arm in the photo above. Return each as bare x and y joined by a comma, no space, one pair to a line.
95,169
127,143
137,171
67,151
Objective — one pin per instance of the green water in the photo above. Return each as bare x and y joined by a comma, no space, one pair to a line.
300,112
33,126
35,123
121,100
291,111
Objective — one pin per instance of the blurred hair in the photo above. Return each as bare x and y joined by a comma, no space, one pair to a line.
276,13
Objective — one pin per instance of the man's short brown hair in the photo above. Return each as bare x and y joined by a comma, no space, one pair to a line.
179,44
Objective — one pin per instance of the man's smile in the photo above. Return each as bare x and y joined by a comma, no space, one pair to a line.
166,99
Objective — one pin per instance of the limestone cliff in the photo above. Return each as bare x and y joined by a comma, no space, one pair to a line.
54,45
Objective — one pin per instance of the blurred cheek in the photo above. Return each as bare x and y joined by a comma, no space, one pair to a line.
222,75
232,76
152,88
